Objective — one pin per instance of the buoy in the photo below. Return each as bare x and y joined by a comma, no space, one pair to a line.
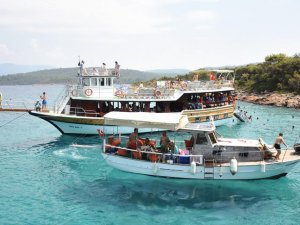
155,168
88,92
233,166
221,171
74,92
193,167
263,167
158,93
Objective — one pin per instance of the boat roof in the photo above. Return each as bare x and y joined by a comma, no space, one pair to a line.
223,71
167,121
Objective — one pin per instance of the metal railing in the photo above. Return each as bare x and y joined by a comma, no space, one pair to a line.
78,111
221,157
13,104
169,158
63,98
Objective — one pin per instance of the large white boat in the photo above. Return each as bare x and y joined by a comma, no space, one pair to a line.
80,108
205,156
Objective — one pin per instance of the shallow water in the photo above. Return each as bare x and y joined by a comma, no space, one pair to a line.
45,180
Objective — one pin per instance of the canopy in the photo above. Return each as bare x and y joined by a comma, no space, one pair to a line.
167,121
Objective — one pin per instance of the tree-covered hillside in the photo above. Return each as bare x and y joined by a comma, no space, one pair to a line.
68,76
278,73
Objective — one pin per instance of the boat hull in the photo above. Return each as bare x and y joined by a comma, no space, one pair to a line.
76,125
245,172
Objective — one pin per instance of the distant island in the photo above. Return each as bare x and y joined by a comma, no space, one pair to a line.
69,76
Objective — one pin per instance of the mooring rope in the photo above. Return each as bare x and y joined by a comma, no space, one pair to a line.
13,119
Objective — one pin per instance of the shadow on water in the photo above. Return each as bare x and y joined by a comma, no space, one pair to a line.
120,190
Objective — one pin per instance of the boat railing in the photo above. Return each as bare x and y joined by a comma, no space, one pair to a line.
16,105
78,111
149,93
63,97
151,155
177,158
99,71
208,85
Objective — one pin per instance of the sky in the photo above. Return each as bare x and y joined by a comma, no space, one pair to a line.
147,34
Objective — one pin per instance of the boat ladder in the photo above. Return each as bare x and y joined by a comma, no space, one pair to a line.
209,169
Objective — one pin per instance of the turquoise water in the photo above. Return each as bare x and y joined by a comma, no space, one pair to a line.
44,180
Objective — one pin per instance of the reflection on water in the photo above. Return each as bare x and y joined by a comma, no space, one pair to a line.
44,177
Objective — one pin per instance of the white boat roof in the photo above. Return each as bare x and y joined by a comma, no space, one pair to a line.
223,71
206,127
168,121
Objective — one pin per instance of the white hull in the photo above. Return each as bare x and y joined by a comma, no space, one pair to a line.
88,129
251,171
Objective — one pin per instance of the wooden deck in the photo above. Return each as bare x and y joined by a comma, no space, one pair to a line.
14,110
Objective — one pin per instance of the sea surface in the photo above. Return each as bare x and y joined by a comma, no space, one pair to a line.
44,180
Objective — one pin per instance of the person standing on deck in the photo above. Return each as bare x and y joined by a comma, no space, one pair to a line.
44,101
104,69
81,64
278,141
117,69
164,142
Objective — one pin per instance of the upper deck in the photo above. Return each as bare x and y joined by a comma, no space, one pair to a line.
98,84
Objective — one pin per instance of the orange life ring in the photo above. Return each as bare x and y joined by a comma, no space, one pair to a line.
88,92
157,93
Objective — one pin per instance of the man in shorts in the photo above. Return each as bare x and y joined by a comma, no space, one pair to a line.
278,141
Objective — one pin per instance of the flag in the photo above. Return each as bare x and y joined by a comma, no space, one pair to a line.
100,132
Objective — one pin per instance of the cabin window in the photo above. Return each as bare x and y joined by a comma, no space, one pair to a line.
108,81
212,138
93,81
86,81
101,81
201,139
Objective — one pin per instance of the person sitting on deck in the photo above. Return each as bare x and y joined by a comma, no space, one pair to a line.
37,106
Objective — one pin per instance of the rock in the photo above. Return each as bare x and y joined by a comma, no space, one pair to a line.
289,100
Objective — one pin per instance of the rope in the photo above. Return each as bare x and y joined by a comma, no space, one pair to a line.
13,120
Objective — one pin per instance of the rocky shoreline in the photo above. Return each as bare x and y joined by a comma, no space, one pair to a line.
271,98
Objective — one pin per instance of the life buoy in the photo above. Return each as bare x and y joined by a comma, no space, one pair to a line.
184,86
193,167
233,166
74,92
88,92
157,93
119,93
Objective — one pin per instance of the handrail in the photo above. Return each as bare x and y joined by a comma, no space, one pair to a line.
17,104
83,111
62,96
179,155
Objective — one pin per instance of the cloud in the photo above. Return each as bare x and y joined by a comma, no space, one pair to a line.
34,44
201,16
4,50
112,16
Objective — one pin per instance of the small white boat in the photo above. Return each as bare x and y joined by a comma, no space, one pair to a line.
205,156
